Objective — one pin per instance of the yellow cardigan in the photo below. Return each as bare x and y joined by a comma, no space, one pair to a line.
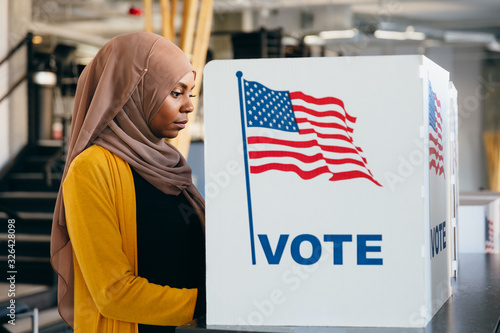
99,200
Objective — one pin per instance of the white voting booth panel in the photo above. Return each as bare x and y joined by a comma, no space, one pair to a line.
452,177
328,198
471,235
479,227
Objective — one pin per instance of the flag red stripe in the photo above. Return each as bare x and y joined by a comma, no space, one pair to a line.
439,170
329,136
435,142
437,100
352,174
324,125
329,113
321,101
325,136
312,173
303,158
438,115
434,152
439,127
290,168
303,144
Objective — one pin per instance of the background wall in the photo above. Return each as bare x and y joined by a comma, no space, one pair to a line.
19,24
469,81
15,17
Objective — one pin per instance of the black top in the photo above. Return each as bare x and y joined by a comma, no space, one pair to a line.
170,244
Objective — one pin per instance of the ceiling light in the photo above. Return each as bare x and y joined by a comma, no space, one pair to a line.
410,33
286,40
386,34
313,40
494,46
468,37
37,39
338,34
45,78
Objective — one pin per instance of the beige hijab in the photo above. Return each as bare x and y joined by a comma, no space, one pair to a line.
118,94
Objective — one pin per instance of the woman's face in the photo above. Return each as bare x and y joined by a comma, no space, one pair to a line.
172,116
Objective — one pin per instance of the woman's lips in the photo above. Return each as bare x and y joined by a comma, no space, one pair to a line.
181,124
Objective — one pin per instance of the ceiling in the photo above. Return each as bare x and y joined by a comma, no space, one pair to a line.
466,21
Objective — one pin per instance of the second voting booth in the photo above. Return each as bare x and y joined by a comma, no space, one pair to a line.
330,191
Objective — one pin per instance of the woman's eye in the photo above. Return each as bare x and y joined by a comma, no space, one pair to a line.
191,95
176,94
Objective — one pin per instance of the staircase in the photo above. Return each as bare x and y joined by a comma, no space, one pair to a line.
28,194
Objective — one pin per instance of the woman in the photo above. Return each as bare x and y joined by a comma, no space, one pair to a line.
127,236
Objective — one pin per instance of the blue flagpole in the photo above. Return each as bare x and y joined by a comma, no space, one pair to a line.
239,74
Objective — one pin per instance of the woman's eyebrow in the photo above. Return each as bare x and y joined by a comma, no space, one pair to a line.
183,85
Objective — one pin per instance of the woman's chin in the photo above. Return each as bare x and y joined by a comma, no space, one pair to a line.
170,136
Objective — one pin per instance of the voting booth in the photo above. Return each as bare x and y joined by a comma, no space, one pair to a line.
330,191
479,222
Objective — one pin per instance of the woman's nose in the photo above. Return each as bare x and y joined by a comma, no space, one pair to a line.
188,107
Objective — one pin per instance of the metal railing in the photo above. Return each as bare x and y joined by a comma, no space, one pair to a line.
25,41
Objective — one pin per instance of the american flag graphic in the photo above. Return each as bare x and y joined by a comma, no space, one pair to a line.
490,235
295,132
435,134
